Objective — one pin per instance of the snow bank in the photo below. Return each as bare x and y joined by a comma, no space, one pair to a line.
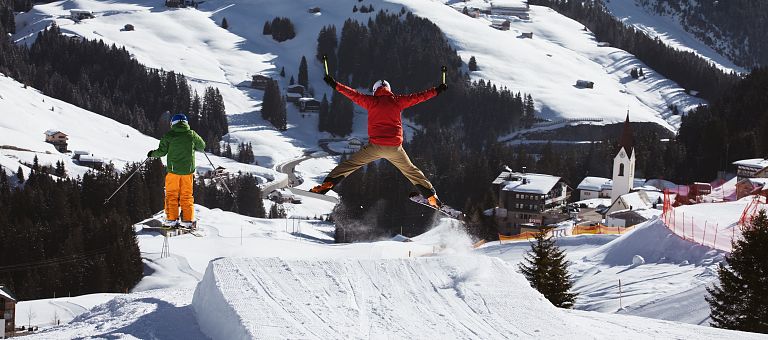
458,297
655,243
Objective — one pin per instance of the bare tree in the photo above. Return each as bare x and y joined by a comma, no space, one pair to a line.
31,315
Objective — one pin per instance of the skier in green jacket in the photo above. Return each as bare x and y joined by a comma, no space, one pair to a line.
180,144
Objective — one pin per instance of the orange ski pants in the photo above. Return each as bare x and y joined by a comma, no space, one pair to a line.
178,192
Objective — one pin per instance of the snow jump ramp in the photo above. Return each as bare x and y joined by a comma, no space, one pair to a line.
461,297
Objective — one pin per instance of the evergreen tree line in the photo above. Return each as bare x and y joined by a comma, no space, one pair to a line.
247,200
273,107
686,68
244,153
281,29
730,22
730,128
460,126
57,237
107,80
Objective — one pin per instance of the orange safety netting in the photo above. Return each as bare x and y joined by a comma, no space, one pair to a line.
578,230
599,229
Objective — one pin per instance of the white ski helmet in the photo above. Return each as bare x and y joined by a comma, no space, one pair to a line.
380,83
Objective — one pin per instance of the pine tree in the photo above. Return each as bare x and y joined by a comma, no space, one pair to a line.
282,71
303,74
224,23
740,302
20,175
547,271
267,28
472,63
323,115
291,81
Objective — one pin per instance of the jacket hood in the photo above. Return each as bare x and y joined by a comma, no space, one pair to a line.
180,127
383,91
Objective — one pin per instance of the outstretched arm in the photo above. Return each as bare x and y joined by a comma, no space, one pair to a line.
363,100
162,150
412,99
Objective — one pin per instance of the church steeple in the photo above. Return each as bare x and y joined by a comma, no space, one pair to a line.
626,140
624,164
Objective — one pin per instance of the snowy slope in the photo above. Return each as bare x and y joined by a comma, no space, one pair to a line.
669,286
447,297
21,139
669,30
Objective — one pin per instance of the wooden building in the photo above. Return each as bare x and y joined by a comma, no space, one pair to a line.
80,14
7,312
585,84
751,168
58,139
516,8
501,24
309,105
296,89
260,81
529,200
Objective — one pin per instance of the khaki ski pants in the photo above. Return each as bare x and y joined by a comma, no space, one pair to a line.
394,154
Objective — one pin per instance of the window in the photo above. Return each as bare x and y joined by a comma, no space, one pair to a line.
621,169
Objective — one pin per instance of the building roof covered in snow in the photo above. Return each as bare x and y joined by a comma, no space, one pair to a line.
595,184
637,200
6,293
526,182
757,163
509,4
90,159
54,132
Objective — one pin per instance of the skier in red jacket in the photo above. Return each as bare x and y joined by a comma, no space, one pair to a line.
385,132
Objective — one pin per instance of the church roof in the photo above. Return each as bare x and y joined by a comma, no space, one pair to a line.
626,140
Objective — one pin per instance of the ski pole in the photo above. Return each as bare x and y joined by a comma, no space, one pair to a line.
325,62
443,70
126,181
214,169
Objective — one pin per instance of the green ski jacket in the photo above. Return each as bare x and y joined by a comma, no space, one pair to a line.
180,144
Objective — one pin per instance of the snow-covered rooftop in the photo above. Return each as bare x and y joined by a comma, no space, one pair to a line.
4,292
526,182
92,159
53,132
595,184
509,4
758,163
637,200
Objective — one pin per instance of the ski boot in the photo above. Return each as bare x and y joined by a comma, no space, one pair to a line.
191,225
434,201
170,223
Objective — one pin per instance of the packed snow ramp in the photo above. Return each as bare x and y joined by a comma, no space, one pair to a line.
469,297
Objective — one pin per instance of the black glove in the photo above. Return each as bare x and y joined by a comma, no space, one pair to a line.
149,154
330,81
440,88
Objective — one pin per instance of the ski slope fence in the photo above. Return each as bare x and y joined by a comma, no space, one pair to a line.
563,232
714,225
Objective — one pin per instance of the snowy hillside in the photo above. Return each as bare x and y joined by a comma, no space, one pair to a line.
670,285
669,30
191,42
28,114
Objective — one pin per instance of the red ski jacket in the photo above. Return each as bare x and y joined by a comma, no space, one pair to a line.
385,125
